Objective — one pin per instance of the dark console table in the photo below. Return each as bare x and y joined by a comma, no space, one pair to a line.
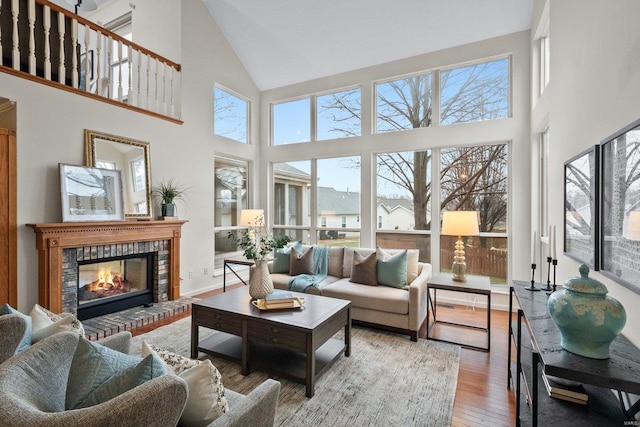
537,342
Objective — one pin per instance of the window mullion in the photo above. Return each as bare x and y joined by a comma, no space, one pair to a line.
435,209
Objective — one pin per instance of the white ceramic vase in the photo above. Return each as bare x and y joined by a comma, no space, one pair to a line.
260,284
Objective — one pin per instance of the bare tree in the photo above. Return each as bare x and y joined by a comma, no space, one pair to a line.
226,110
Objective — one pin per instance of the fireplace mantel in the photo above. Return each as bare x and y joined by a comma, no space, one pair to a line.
53,238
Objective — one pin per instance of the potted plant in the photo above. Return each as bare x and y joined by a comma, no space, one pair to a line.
257,244
169,191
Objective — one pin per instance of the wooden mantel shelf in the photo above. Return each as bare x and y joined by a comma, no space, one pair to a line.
53,238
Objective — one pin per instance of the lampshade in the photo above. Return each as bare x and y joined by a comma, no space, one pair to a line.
633,226
252,217
460,223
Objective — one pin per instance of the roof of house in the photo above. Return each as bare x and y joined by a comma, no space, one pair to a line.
334,202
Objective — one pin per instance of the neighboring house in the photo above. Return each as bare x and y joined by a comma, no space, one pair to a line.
338,209
395,214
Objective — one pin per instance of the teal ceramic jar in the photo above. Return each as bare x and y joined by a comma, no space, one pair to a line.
588,319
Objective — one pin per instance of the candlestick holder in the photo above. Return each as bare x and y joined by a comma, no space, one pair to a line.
548,288
553,289
533,278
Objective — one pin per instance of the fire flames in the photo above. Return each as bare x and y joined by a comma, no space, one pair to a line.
107,281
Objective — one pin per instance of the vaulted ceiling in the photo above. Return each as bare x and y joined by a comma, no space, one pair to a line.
281,42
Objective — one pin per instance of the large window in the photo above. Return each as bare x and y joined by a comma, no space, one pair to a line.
475,179
333,216
230,115
404,103
335,115
475,92
231,197
403,201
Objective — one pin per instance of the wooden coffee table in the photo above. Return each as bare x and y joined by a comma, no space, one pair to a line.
296,344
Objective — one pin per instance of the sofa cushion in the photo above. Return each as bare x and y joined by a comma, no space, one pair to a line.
380,298
336,257
93,364
347,260
25,342
392,271
364,269
46,323
301,262
125,380
282,258
413,256
206,400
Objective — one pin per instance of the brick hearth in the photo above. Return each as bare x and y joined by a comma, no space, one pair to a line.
131,318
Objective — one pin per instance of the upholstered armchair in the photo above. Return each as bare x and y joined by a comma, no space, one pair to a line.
33,387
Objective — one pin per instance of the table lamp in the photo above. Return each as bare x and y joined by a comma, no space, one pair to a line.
252,217
460,223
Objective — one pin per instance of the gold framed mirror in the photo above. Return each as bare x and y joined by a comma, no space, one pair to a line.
132,158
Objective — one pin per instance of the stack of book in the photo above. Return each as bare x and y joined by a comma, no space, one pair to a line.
281,299
570,393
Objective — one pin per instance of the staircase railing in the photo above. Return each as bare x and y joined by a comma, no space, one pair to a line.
46,43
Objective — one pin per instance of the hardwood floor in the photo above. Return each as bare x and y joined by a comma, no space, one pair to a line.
482,397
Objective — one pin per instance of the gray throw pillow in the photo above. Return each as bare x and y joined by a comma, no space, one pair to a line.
363,269
393,270
301,263
282,258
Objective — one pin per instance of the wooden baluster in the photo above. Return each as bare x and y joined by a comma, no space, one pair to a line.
130,76
88,62
155,91
32,37
47,42
171,106
74,54
108,65
148,80
164,88
15,9
138,65
119,71
62,70
99,63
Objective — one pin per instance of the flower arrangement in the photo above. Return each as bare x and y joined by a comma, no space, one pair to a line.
256,242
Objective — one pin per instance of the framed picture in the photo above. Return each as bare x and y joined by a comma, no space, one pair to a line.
581,213
620,201
90,194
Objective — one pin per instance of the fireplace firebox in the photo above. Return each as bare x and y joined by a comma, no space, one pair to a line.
108,285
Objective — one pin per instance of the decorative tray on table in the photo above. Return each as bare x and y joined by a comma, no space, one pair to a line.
262,304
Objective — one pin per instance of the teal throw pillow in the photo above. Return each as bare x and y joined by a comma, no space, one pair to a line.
282,258
150,367
393,271
92,366
25,342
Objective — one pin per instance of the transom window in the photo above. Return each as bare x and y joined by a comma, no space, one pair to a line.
230,115
404,103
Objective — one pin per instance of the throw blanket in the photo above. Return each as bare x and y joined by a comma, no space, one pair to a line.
302,282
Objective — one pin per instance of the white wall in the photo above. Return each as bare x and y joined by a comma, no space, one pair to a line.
51,122
593,91
515,129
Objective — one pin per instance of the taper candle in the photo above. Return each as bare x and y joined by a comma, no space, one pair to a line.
533,247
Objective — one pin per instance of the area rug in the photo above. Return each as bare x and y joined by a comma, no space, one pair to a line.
387,381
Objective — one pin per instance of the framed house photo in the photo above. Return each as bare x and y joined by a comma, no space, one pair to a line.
620,201
581,212
90,194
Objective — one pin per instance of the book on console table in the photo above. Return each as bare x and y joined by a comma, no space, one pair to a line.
570,393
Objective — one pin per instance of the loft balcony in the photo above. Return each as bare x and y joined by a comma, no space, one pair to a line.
46,43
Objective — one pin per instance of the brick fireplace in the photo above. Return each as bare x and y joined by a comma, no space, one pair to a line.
63,246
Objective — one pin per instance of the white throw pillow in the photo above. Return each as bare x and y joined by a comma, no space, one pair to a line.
46,323
206,400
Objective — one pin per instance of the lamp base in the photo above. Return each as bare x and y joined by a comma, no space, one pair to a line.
459,271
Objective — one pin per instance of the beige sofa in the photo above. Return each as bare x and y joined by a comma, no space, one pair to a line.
390,308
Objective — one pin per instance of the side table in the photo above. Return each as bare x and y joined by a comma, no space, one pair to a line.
474,285
227,264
